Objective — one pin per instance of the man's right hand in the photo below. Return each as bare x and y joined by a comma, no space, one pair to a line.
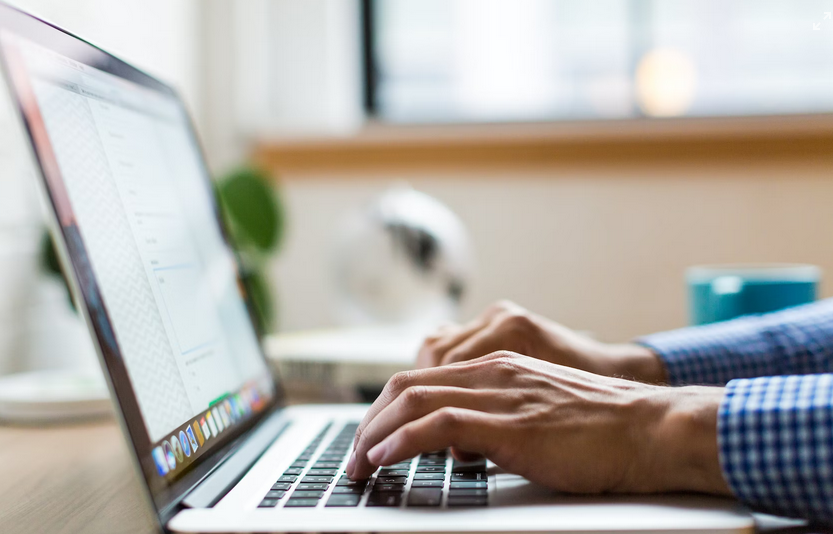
507,326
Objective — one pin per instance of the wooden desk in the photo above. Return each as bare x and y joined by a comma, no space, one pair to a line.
69,479
79,478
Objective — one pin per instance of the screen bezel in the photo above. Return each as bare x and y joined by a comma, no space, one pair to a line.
164,494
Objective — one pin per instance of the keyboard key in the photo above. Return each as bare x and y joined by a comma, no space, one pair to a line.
429,476
345,481
281,486
384,499
467,501
400,465
353,490
318,486
427,483
435,454
301,503
275,494
391,480
331,457
326,465
468,467
344,500
300,465
431,461
312,479
288,478
480,484
430,469
467,493
394,472
268,503
425,497
460,477
304,457
293,471
302,494
380,488
323,472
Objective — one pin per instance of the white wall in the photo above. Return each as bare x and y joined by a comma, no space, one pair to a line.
278,68
601,249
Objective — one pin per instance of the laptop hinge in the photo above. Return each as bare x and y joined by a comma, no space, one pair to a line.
229,473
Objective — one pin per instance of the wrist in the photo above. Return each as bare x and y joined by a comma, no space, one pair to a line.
684,442
635,362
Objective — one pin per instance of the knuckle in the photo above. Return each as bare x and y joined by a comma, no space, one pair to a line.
505,364
415,396
432,339
447,418
504,356
499,306
400,381
518,322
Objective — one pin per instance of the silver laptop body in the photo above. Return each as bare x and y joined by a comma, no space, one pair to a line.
151,271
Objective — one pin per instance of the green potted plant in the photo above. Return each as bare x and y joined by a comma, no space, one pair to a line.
255,219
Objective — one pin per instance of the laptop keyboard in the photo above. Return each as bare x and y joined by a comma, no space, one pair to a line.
430,480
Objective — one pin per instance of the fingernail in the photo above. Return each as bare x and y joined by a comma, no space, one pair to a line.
377,454
351,463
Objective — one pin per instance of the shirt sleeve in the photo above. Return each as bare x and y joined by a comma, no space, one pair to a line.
775,437
790,342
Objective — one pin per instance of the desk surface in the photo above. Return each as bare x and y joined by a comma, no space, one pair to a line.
79,479
69,479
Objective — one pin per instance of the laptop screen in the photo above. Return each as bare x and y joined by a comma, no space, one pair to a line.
128,184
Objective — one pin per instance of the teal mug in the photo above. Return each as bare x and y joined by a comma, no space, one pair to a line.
723,292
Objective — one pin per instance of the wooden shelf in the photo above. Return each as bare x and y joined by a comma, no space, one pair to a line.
380,148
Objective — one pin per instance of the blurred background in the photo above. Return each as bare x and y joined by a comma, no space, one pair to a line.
591,150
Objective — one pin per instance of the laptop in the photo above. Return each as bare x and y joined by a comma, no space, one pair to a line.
154,276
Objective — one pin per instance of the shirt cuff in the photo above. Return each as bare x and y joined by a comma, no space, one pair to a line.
775,437
713,354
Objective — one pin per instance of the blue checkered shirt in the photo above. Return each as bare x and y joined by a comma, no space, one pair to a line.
775,424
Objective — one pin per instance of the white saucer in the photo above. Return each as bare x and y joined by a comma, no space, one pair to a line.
54,396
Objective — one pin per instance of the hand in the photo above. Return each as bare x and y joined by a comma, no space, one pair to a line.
569,430
507,326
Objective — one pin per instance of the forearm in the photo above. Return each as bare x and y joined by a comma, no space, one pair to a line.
794,341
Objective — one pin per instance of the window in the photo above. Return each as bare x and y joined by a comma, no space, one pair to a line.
522,60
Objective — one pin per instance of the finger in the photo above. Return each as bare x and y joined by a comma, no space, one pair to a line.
435,350
469,430
486,341
436,345
425,355
464,456
415,403
443,330
474,374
